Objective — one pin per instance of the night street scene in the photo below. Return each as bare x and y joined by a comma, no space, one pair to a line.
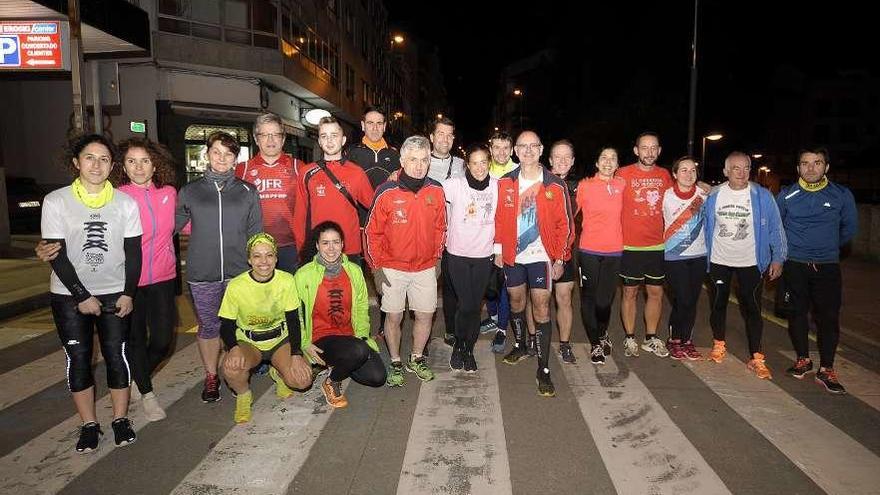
395,247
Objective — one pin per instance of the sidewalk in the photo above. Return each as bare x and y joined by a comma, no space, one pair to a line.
24,280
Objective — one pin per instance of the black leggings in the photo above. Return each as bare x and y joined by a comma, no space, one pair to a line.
450,297
349,356
469,278
748,292
685,279
76,332
154,309
814,287
599,276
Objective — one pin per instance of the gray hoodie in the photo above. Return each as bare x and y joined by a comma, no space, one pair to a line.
224,214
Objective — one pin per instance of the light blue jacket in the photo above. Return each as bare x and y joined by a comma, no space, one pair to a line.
770,243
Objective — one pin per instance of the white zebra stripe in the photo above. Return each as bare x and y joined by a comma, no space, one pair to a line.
284,430
830,457
456,442
643,449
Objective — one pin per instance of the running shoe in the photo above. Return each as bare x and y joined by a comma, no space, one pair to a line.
656,346
488,325
123,434
281,388
499,342
89,436
532,348
828,378
152,409
630,347
719,350
515,355
449,339
211,390
419,367
545,384
243,407
333,393
470,363
676,350
456,361
395,374
606,344
691,350
757,366
800,368
567,354
597,354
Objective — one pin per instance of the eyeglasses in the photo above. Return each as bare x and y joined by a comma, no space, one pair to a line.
530,146
272,135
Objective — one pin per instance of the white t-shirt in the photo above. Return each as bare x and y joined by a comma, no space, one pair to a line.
94,238
529,248
442,169
733,239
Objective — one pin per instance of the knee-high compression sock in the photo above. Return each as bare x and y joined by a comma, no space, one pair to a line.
543,331
518,324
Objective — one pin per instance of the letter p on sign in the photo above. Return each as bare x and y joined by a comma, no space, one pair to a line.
9,54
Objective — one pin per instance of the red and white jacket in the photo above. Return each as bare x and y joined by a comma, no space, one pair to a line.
555,220
406,230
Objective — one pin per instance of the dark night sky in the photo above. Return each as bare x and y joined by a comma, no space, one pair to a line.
741,44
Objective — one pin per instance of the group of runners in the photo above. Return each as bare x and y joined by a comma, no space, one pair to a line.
279,251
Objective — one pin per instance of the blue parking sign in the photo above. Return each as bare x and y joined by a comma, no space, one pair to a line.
10,56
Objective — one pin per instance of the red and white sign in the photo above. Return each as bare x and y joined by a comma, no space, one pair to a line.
31,45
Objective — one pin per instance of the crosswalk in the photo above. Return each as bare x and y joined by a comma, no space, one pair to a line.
633,426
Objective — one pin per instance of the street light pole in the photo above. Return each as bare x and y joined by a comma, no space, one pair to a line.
692,113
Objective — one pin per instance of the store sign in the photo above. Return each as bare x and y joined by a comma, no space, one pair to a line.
33,45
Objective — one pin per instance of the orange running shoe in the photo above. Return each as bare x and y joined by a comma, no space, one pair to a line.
757,366
719,350
333,393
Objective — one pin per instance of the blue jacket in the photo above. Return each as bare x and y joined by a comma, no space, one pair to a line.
817,223
770,243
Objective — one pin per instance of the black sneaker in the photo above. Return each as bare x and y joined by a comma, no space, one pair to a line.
211,390
606,344
532,349
449,339
597,354
499,342
567,354
800,368
515,355
470,364
456,362
828,378
123,434
89,436
545,385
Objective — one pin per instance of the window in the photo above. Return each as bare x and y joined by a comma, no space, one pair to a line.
249,22
365,92
349,82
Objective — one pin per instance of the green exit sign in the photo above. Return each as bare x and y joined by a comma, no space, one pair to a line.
139,127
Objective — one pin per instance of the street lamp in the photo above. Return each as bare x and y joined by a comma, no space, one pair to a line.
710,137
397,39
520,94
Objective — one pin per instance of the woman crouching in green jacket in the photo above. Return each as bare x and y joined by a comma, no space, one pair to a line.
335,317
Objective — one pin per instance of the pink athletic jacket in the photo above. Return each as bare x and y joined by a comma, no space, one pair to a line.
156,207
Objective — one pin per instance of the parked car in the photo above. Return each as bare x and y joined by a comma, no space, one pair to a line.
25,199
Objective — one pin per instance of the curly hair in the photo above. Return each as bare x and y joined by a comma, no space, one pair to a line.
163,163
76,144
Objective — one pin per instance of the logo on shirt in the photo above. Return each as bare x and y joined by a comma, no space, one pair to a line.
336,310
264,185
96,242
253,173
827,205
320,190
399,216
